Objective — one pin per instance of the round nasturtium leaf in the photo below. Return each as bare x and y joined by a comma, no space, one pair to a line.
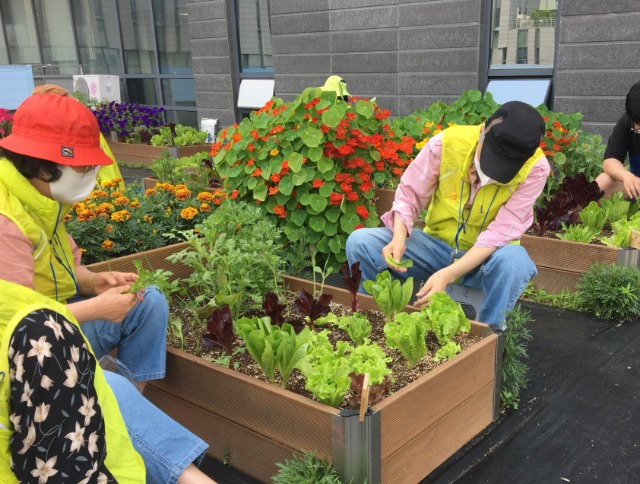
312,137
298,217
315,153
293,232
348,221
333,214
295,162
317,223
331,229
326,189
318,203
364,108
251,184
286,185
305,199
260,193
325,164
332,117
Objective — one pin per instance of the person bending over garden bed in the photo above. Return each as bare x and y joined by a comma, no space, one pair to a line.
480,184
50,162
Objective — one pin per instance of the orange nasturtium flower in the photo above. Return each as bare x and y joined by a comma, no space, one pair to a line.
273,190
188,213
234,194
317,183
280,211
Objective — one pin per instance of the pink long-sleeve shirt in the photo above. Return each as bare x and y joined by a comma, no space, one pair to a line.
420,180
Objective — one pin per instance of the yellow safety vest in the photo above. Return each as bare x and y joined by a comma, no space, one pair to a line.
447,211
122,460
41,220
109,172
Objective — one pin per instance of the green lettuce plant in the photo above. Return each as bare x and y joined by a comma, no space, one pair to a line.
390,295
407,334
356,325
577,233
594,216
446,319
178,135
186,170
616,206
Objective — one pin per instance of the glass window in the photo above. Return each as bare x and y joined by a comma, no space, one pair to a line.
56,38
142,91
513,20
179,92
186,118
4,54
138,43
254,32
98,36
20,27
172,33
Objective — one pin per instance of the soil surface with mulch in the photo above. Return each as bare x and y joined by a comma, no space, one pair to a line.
242,361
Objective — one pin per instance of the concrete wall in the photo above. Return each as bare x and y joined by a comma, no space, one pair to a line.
598,60
407,54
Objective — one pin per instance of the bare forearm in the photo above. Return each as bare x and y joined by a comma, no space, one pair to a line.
471,260
615,169
86,281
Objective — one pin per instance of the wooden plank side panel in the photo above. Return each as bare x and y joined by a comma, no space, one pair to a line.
564,255
277,414
246,450
421,455
555,280
412,410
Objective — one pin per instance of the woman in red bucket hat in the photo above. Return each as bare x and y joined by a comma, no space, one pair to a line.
47,163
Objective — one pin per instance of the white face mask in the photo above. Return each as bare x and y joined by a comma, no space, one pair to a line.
73,187
484,179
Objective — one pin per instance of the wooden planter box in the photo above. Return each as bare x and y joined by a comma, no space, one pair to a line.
150,182
145,154
561,263
255,425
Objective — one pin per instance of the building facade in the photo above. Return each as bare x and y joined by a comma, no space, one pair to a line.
192,56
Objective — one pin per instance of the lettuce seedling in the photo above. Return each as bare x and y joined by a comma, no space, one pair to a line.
407,334
351,279
406,263
356,325
446,319
311,307
391,296
220,329
594,217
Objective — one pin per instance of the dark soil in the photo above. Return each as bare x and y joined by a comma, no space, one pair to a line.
242,361
607,231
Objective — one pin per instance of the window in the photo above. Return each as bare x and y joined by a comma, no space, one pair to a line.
4,54
138,42
254,36
20,29
172,34
56,38
523,39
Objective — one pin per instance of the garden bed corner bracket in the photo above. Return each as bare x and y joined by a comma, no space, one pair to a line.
356,446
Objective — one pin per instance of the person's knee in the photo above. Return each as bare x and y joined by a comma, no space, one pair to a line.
155,304
355,241
514,259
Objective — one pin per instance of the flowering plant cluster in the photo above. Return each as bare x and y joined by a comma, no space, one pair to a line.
6,122
127,118
314,163
112,222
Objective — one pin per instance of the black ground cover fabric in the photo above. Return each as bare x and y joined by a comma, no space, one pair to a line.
578,420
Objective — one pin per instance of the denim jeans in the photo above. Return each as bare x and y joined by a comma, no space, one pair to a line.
141,338
502,278
166,447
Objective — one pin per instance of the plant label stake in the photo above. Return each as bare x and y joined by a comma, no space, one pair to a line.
364,397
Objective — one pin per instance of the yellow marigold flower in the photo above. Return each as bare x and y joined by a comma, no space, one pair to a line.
109,228
120,216
188,213
108,244
116,194
166,187
204,197
98,194
182,193
274,152
121,201
148,218
150,191
205,207
181,186
82,251
134,204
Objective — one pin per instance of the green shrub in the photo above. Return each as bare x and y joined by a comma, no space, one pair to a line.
306,469
514,368
611,291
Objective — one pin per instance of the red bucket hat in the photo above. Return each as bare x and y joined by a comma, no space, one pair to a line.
58,129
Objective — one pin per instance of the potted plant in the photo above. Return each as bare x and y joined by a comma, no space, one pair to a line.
254,424
6,122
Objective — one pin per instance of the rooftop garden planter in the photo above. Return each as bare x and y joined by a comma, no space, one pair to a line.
253,424
141,154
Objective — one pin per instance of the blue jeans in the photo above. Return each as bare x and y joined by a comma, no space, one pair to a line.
141,338
502,278
166,447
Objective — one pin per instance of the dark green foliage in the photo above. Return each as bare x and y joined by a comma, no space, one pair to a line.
306,469
514,367
611,291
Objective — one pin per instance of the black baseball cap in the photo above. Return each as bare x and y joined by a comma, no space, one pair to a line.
512,135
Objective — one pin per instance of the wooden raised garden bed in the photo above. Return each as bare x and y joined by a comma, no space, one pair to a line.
254,425
141,154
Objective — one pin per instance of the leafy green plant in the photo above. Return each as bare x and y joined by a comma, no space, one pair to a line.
622,232
514,367
446,319
390,295
577,233
356,325
185,170
565,299
313,163
307,468
616,206
178,135
594,217
406,263
611,291
274,347
234,256
407,334
158,278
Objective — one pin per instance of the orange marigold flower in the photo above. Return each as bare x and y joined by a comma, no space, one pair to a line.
150,191
108,244
109,228
204,197
120,216
280,211
317,183
98,194
205,207
166,187
183,193
188,213
122,200
134,204
148,218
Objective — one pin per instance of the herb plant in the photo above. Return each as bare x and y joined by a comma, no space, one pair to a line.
407,333
390,295
186,170
158,278
306,469
514,367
